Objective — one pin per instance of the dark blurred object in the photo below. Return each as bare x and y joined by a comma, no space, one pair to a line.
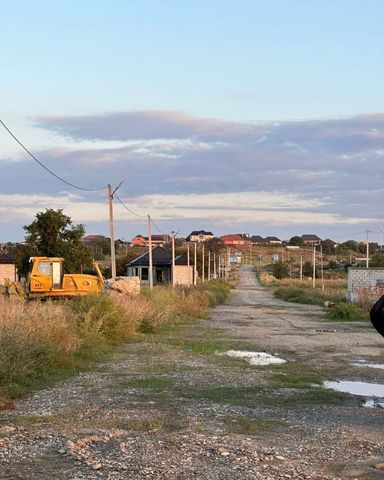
377,315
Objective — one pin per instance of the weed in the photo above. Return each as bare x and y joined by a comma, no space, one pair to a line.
241,424
230,394
347,312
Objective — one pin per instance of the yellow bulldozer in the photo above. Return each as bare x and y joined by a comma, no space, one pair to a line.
47,280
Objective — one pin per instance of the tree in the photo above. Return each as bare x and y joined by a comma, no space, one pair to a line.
377,260
297,241
280,270
52,234
328,247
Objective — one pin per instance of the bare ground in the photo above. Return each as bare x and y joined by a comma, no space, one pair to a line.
168,407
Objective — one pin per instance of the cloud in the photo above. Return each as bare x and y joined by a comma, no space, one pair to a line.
267,207
323,172
146,125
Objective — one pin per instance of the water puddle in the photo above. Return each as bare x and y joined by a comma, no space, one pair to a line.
374,391
373,403
364,363
255,358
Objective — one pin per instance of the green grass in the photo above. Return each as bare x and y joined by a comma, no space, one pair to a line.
241,424
294,380
347,312
305,295
153,383
229,394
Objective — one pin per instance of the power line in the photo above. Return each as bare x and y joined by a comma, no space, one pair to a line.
127,208
46,168
158,228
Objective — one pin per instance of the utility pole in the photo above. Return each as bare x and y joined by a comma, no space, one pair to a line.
367,258
301,268
209,265
202,264
112,230
150,268
188,263
322,267
173,258
314,267
214,265
195,267
228,264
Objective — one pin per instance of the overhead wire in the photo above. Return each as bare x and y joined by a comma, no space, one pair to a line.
158,228
45,167
127,208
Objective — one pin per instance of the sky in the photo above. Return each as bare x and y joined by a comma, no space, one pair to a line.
254,116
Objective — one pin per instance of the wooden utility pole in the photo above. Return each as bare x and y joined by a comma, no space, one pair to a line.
202,264
150,268
301,268
314,267
195,267
228,264
173,259
188,263
209,265
112,230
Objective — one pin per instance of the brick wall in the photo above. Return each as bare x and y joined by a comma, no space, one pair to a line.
7,270
365,280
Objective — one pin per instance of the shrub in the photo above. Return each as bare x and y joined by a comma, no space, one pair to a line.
98,319
347,312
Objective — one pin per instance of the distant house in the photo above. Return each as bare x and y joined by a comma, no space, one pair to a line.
90,239
272,241
256,239
330,242
199,236
311,239
140,241
235,240
162,268
8,270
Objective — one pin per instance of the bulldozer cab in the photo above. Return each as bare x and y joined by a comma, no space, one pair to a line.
46,274
47,280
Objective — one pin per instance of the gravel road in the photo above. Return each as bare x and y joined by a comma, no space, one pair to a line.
168,407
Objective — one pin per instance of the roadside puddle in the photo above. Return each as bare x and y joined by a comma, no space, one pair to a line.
364,363
374,392
255,358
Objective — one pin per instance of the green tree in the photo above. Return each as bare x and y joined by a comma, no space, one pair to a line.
377,260
297,241
328,247
52,234
280,270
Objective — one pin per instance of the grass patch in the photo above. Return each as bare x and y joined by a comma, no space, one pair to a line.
305,295
348,312
230,394
295,380
153,383
31,420
241,424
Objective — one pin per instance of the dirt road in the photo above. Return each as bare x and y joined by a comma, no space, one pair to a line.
174,406
298,331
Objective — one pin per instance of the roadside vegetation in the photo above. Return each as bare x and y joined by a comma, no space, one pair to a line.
329,292
43,341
